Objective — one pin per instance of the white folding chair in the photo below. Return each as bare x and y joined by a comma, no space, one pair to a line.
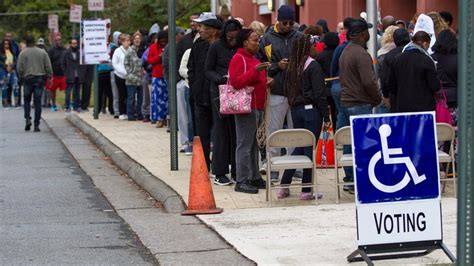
341,137
290,138
446,132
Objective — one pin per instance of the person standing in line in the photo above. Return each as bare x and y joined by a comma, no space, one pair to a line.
58,81
146,84
33,68
401,37
246,70
209,27
159,90
115,94
217,68
275,47
413,78
133,80
166,63
74,73
331,41
86,88
359,88
118,61
185,118
388,44
46,99
306,93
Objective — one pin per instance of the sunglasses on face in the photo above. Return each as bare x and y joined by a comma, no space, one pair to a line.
288,23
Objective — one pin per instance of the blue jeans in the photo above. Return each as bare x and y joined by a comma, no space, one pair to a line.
33,85
342,118
348,112
311,120
75,87
381,109
10,86
134,101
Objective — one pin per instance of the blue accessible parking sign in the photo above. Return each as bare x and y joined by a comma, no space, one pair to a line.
395,157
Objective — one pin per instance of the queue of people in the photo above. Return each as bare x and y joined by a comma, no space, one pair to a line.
300,76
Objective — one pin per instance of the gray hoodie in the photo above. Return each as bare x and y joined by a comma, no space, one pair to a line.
279,46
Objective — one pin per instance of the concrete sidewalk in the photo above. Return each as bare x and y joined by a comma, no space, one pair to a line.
305,234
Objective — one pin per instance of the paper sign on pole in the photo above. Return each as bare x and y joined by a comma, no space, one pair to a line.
75,13
94,42
53,22
95,5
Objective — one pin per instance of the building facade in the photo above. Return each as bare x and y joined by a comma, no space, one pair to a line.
334,11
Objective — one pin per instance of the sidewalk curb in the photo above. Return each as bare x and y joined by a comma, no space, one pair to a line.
163,193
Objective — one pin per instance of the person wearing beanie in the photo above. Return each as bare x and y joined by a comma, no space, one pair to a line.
275,48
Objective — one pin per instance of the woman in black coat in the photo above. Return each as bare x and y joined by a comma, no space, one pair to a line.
216,69
413,79
446,55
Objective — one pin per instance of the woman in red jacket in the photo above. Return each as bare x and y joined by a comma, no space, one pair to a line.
245,70
159,89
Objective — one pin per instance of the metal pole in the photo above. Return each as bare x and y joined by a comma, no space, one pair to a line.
172,85
372,18
74,29
213,7
465,161
96,87
282,2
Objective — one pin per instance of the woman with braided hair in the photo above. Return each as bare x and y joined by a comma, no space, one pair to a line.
305,90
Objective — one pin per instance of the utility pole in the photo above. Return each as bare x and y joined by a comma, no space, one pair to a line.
172,85
372,18
214,6
465,160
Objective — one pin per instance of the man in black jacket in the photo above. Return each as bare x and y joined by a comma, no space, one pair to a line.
275,48
74,73
58,81
199,84
401,37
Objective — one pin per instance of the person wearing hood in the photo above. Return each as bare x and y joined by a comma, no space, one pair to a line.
275,47
209,27
425,23
115,94
413,79
324,24
74,73
217,67
159,90
118,62
401,37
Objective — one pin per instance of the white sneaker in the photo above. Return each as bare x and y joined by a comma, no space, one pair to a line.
263,169
123,117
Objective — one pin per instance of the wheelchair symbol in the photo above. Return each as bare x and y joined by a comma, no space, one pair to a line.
385,131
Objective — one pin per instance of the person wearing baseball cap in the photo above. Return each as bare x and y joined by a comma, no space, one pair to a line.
209,31
275,48
359,89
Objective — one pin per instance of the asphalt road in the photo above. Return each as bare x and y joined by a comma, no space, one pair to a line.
50,211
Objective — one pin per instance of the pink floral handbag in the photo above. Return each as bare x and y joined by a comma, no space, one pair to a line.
234,101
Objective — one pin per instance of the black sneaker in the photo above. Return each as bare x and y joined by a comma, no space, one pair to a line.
222,180
260,183
28,125
348,188
245,187
37,129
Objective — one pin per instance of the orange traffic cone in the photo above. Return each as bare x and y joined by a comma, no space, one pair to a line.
201,198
